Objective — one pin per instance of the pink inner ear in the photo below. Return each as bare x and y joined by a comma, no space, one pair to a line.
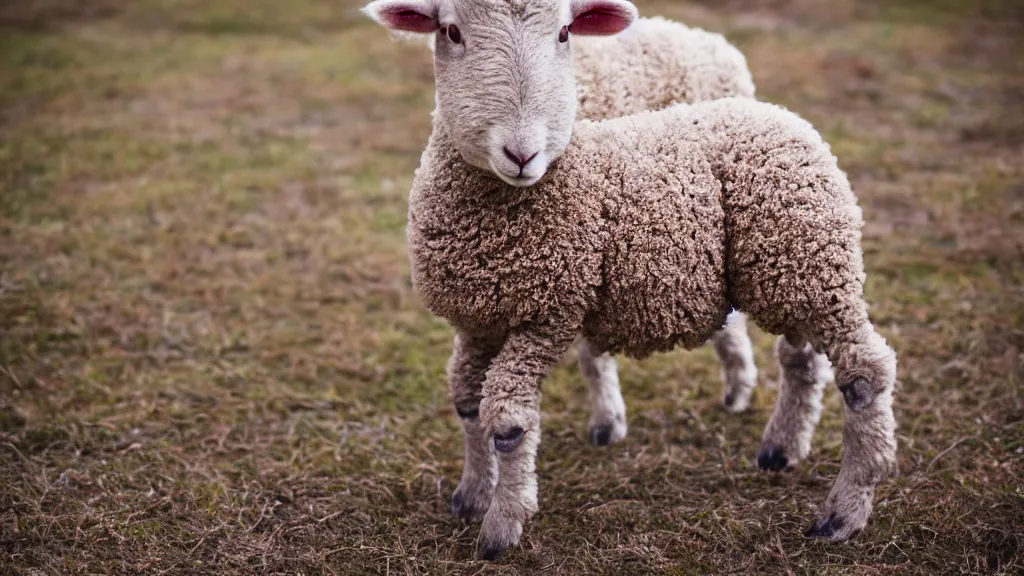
601,20
407,19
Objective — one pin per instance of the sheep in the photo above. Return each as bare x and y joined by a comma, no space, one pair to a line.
528,228
653,64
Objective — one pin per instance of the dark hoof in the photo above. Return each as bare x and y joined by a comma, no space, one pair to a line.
729,399
858,394
772,458
601,435
459,507
463,509
508,441
491,551
825,528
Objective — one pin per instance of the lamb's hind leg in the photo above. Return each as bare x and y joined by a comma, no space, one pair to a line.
737,356
865,373
607,408
804,374
466,369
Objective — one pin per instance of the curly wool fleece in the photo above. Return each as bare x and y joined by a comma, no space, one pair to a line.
654,64
646,232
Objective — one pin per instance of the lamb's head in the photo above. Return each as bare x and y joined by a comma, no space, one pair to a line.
506,93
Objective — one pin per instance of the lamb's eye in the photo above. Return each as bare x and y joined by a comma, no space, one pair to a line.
563,36
453,34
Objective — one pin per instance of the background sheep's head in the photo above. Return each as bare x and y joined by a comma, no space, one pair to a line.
506,93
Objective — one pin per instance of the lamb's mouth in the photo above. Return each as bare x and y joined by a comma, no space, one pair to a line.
520,176
529,177
521,181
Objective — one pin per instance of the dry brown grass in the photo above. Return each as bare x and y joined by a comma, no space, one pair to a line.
211,360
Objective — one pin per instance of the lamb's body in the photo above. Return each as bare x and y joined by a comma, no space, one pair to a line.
641,238
628,238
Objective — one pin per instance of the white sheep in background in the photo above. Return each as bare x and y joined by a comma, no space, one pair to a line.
654,64
528,229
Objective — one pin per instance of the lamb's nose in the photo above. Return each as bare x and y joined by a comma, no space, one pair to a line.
520,160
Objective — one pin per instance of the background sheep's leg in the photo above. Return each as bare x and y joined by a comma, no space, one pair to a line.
737,355
607,408
466,370
865,373
804,374
510,413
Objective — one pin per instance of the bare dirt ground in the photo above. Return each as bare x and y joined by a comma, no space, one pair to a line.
212,362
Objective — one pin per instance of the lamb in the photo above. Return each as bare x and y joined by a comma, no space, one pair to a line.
653,64
528,228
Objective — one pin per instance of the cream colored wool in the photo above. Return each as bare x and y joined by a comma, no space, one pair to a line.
654,64
641,238
638,260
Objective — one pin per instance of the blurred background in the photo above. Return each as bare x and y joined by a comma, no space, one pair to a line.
212,361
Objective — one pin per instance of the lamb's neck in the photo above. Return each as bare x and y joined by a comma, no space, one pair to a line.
447,164
441,146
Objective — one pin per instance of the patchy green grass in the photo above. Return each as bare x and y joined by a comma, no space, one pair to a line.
212,361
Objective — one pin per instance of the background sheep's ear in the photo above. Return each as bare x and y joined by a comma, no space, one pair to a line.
601,17
404,15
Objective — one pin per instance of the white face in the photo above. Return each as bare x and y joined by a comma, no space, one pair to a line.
506,92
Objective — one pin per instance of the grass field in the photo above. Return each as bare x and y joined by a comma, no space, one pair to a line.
212,361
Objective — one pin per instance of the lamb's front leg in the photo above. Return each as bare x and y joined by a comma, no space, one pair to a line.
510,413
466,369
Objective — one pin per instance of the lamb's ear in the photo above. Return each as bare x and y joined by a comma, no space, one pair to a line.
404,15
601,17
